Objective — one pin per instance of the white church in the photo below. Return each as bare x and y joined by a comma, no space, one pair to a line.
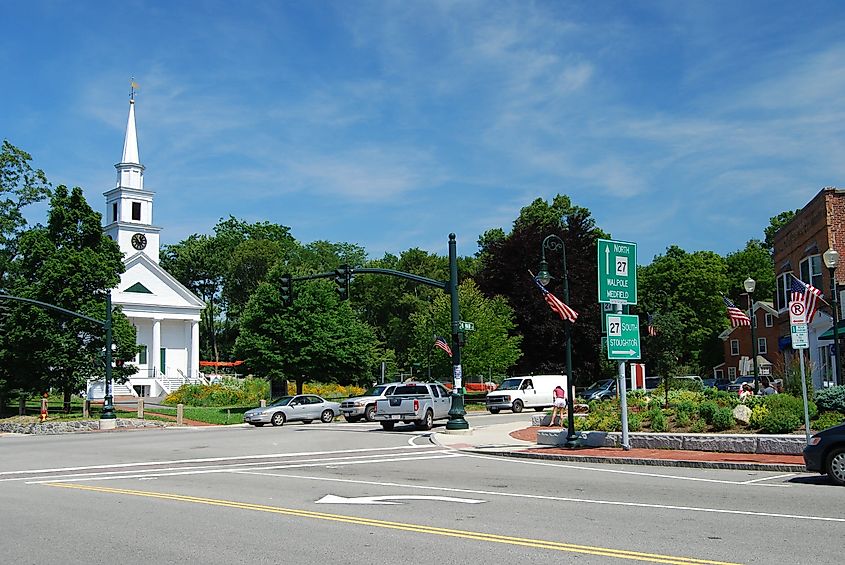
165,314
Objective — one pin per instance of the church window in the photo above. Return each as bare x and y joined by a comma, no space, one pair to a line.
136,211
114,212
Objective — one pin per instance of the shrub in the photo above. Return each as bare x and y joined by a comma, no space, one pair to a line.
610,423
676,396
791,403
832,398
635,422
723,419
707,409
758,413
658,421
683,419
780,420
655,404
685,407
724,398
828,420
698,425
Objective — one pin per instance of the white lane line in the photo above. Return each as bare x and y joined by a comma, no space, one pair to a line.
752,481
614,471
206,460
262,464
552,498
329,463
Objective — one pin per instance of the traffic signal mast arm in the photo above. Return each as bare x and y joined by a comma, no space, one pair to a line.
363,271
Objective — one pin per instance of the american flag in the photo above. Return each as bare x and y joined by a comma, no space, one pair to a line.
564,311
441,343
652,329
737,316
808,294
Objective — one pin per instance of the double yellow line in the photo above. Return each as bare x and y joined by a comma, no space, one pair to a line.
419,528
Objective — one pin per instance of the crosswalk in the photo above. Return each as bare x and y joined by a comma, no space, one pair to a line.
203,466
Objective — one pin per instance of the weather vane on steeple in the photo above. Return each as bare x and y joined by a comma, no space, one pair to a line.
132,86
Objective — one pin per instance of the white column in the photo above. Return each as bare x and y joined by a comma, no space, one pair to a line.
156,352
186,340
195,348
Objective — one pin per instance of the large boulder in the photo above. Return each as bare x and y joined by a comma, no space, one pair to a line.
742,413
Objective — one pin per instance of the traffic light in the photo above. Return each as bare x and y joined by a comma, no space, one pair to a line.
286,288
341,277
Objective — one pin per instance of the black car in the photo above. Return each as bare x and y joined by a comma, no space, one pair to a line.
718,384
826,453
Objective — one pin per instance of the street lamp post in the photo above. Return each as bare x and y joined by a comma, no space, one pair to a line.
831,259
750,284
555,243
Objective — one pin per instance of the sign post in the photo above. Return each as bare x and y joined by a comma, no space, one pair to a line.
800,342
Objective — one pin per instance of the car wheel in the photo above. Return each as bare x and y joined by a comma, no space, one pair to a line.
352,419
258,424
427,422
538,409
517,406
836,466
370,413
327,416
494,410
387,426
278,419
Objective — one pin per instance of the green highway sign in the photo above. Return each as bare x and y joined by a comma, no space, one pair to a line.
617,261
467,326
623,336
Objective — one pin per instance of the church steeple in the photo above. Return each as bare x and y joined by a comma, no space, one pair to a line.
129,207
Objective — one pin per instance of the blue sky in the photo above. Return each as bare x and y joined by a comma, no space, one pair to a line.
391,124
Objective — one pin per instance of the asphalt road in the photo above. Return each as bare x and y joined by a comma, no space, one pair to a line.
351,493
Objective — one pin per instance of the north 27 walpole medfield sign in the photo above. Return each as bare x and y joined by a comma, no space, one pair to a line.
617,262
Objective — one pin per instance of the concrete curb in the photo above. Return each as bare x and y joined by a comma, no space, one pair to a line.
731,465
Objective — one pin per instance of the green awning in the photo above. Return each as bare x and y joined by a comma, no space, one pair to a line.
828,335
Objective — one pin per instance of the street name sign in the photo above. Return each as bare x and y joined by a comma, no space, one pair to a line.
800,336
617,261
623,336
467,326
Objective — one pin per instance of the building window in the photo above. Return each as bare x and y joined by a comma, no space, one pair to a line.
770,320
784,284
114,212
825,369
142,355
719,374
734,347
136,211
811,270
761,346
731,373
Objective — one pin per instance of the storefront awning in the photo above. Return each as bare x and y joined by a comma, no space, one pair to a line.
828,335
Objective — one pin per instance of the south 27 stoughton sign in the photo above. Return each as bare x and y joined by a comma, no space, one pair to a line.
617,261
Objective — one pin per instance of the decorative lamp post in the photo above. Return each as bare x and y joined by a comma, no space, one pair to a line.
750,284
831,259
554,243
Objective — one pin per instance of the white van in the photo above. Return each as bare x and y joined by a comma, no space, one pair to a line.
532,391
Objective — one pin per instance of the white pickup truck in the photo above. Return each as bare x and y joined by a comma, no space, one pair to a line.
417,403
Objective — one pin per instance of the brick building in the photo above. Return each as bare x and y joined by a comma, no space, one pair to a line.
798,249
737,345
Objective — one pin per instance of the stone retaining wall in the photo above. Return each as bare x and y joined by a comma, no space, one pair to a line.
726,443
53,428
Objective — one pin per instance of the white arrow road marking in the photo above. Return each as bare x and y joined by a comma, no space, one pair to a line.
332,499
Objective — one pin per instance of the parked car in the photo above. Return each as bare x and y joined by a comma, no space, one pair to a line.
826,454
601,390
530,391
364,406
735,385
302,407
652,383
718,384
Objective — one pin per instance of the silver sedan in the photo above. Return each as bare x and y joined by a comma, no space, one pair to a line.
302,408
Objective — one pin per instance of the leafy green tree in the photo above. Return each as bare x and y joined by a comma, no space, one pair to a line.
754,261
775,223
319,337
491,347
691,286
69,263
505,264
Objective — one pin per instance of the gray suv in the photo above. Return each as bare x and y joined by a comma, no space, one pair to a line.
364,406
